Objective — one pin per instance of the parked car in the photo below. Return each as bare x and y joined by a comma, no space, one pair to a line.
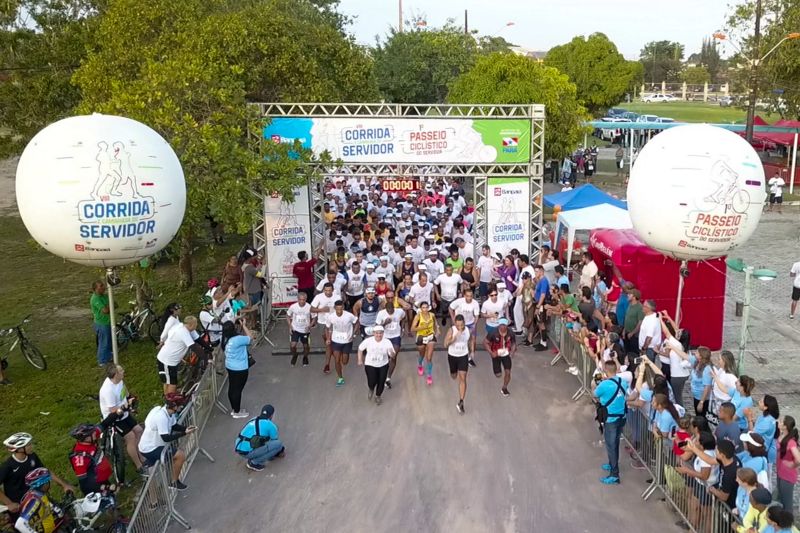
647,118
617,112
610,134
726,101
630,115
655,98
665,120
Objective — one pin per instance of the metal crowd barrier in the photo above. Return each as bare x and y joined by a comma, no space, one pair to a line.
689,498
155,507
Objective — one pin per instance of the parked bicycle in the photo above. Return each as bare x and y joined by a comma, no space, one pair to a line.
91,514
16,335
137,323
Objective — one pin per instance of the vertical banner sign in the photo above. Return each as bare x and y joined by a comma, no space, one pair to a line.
288,228
508,213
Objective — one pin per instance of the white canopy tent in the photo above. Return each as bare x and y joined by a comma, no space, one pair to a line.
604,216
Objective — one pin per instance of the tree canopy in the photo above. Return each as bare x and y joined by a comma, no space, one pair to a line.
417,66
512,79
661,61
697,75
600,73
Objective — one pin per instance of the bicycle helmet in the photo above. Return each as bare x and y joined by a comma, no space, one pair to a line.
83,431
37,477
174,400
206,300
17,441
213,282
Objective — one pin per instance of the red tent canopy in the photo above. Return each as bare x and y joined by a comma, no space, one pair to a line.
773,137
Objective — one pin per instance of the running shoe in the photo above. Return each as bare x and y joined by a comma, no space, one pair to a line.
305,361
609,480
294,360
378,400
540,347
388,383
460,407
255,467
606,467
420,370
504,391
241,414
327,369
369,396
340,382
178,485
472,363
573,370
429,380
526,342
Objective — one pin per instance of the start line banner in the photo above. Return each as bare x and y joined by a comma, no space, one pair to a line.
288,229
408,140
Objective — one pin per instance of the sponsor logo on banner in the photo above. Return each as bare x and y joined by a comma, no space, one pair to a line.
508,214
510,141
288,228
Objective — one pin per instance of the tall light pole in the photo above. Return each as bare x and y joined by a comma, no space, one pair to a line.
400,16
754,64
749,273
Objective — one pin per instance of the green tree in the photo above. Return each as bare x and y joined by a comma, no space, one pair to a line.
661,61
512,79
709,58
600,73
188,70
488,44
696,75
417,66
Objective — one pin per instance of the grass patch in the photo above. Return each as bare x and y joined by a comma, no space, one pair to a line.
56,293
695,112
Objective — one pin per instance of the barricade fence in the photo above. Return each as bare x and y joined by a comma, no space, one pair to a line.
155,507
695,506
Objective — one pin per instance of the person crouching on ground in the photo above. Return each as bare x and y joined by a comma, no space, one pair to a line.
258,440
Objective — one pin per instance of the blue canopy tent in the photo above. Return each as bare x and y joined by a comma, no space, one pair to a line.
584,196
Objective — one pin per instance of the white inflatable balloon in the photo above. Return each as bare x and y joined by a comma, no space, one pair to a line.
100,190
696,192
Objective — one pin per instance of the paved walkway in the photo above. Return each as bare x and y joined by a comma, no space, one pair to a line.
528,462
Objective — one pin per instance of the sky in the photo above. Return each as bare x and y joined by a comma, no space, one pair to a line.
542,24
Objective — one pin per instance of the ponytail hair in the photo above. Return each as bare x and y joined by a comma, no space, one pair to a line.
791,433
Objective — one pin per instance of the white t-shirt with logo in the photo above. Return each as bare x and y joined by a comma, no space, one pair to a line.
448,285
776,184
321,301
179,339
341,327
489,307
301,317
376,353
460,345
113,395
392,330
471,311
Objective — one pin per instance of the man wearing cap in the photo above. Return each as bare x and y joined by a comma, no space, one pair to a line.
340,338
502,346
386,269
366,310
374,354
299,319
504,296
447,285
356,285
433,265
322,306
258,440
756,517
371,275
541,298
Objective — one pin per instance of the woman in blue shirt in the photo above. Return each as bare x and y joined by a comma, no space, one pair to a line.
666,417
741,398
700,379
748,482
236,338
766,424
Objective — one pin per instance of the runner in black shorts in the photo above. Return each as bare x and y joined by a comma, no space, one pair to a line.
340,338
501,345
457,343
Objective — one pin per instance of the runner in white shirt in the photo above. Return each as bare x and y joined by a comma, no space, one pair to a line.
372,276
322,307
421,291
504,296
492,310
337,281
299,318
340,338
470,310
433,265
391,319
447,286
386,269
356,285
374,354
457,343
486,266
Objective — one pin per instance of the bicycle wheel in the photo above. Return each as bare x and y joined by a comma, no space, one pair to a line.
154,332
117,458
33,355
117,527
123,337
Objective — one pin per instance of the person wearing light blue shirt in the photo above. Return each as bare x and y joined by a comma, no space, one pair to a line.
235,343
258,440
611,394
700,379
766,425
741,399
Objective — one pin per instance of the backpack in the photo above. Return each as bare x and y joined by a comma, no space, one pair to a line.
601,414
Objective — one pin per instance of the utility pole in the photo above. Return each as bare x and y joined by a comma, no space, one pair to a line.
754,63
400,16
466,22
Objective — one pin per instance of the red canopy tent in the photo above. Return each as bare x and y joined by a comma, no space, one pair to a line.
656,277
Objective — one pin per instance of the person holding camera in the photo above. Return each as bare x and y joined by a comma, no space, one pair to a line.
258,440
236,338
611,412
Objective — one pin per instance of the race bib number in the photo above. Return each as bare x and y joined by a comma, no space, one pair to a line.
502,352
300,321
427,339
340,337
460,347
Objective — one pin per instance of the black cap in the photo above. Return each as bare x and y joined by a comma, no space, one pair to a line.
761,496
267,411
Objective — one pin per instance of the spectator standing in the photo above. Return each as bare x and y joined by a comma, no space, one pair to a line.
633,319
677,359
776,185
588,270
102,322
788,462
252,279
303,270
794,273
179,339
231,274
258,440
701,379
610,394
650,331
618,158
236,338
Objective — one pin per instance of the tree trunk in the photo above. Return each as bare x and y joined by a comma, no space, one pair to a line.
185,260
